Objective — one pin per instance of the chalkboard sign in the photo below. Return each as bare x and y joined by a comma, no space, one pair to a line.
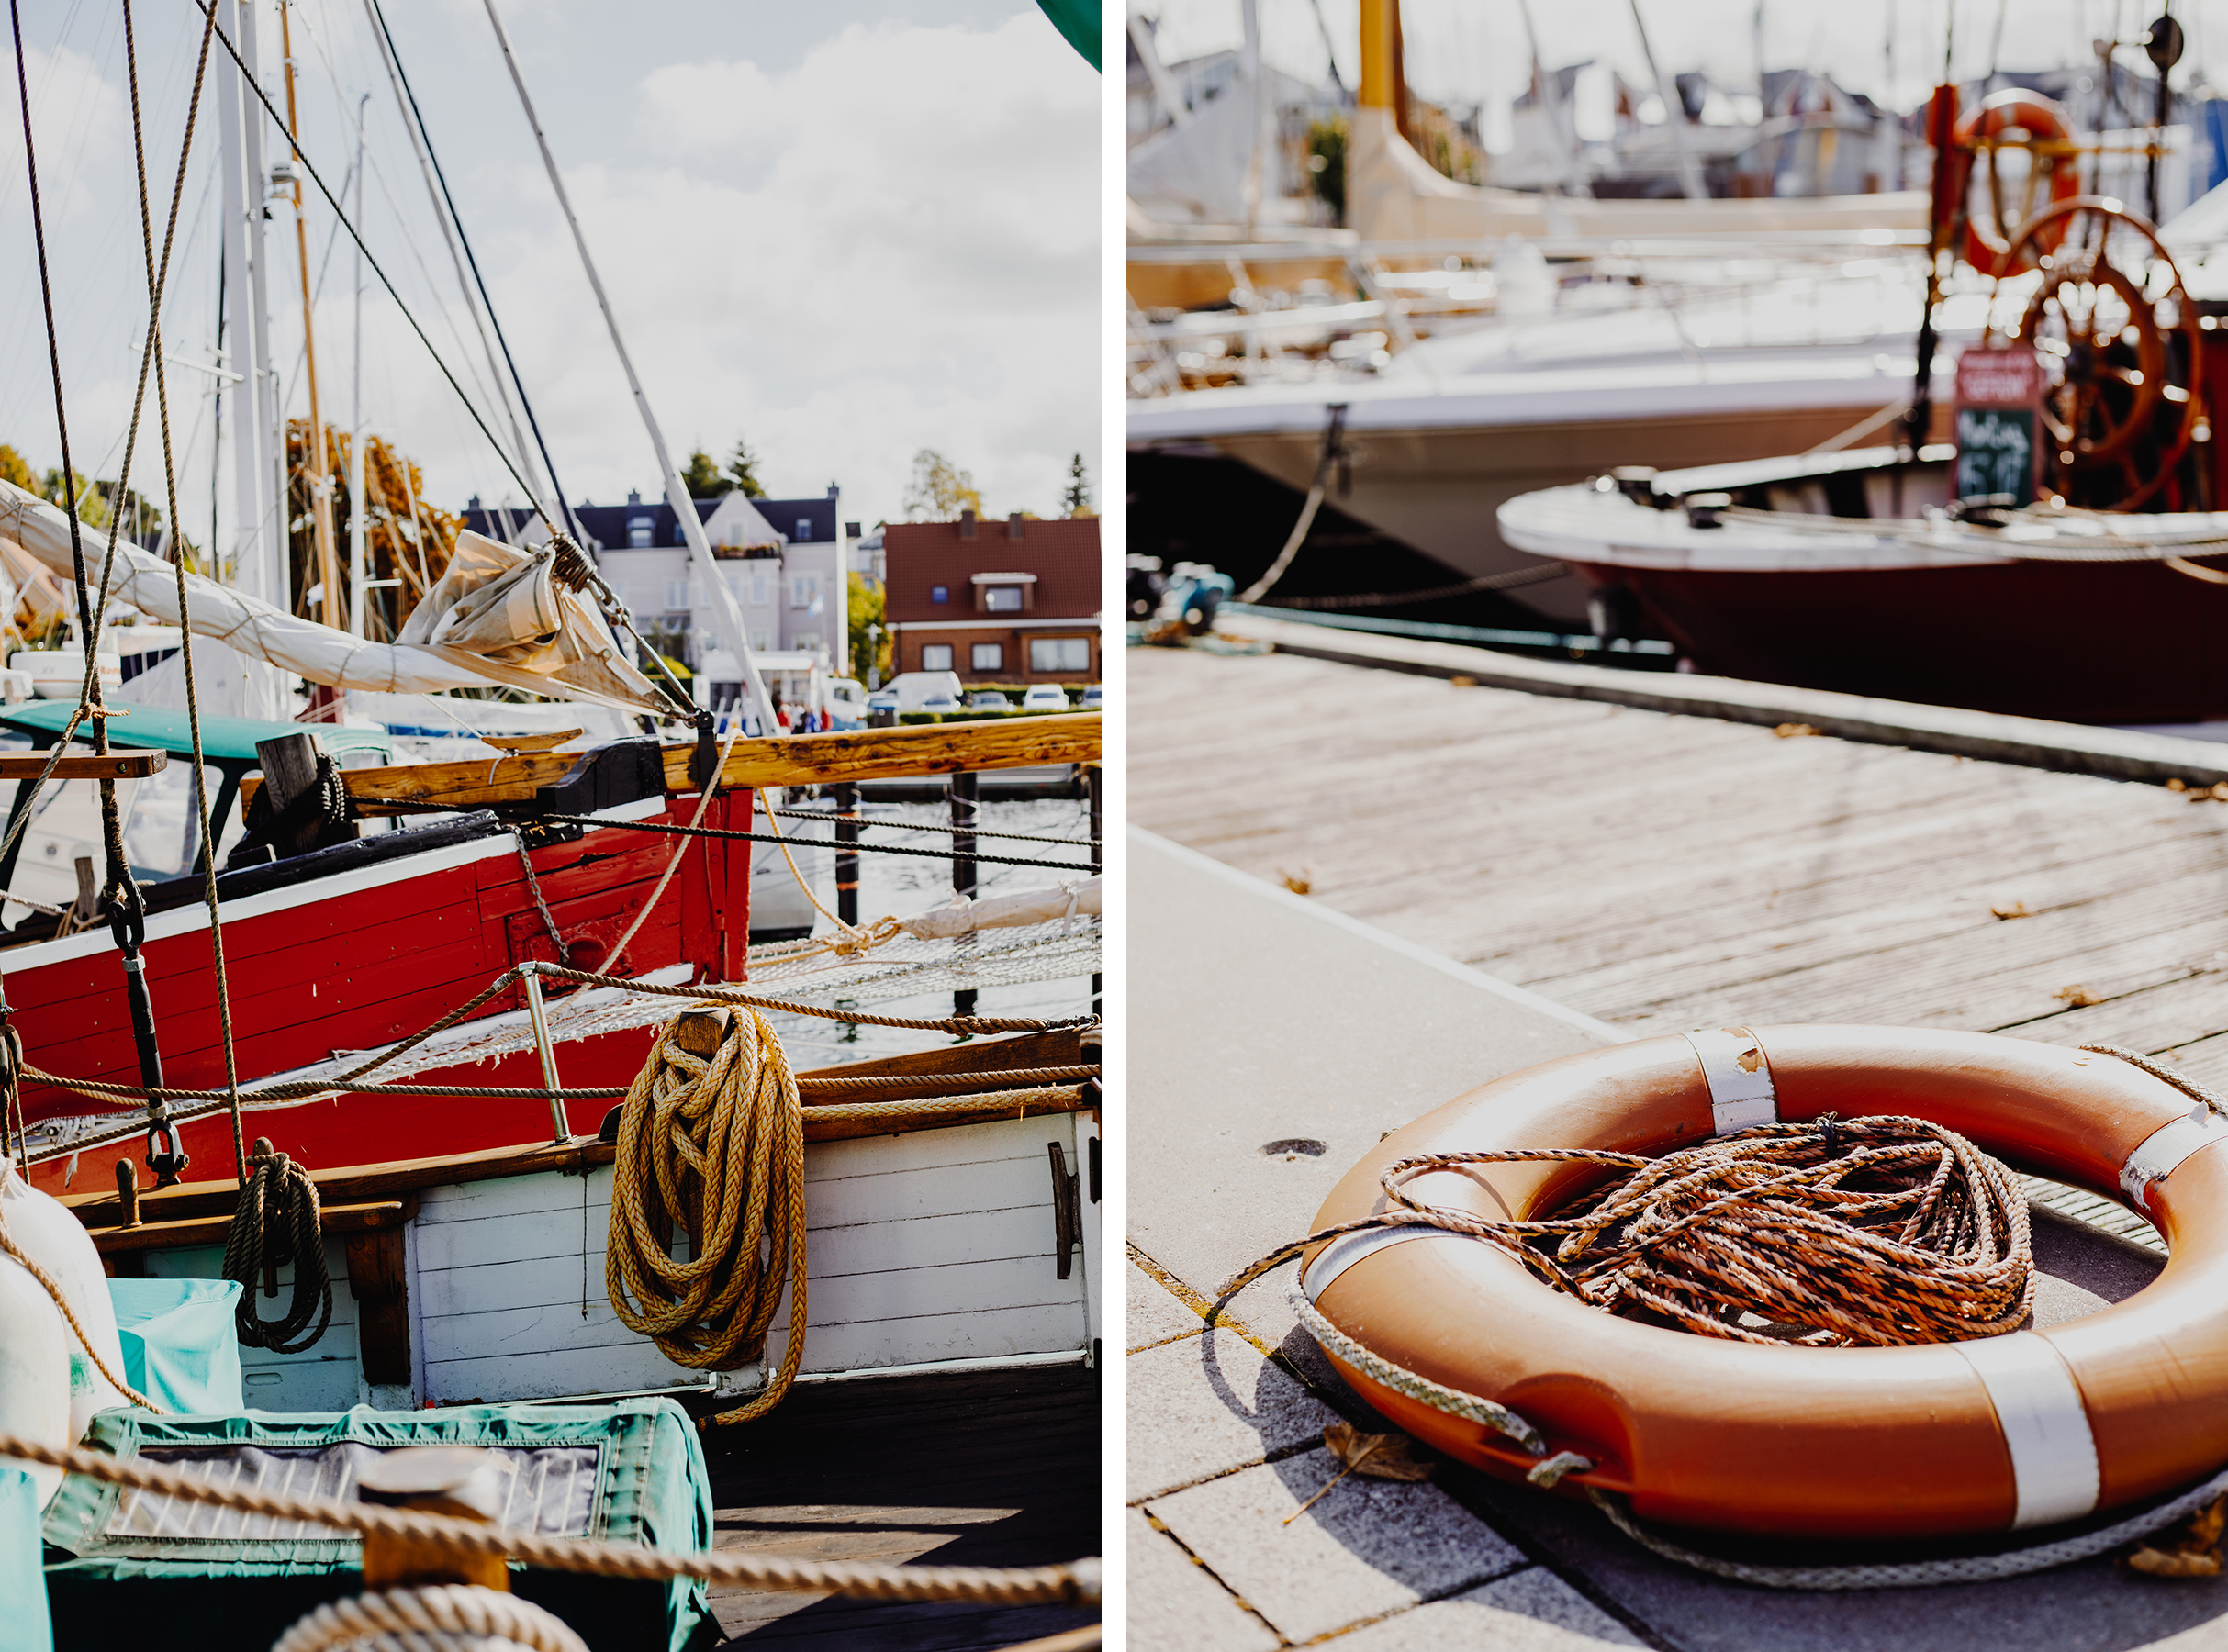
1999,399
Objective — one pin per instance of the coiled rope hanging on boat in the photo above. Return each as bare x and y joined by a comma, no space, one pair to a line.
278,1220
711,1138
1831,1232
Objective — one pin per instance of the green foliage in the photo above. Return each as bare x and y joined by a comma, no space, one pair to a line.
1327,141
742,469
865,607
702,478
1075,498
940,490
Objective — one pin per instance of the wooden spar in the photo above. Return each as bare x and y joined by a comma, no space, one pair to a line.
88,766
320,486
796,760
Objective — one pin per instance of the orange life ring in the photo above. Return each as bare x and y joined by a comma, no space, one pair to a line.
2044,121
1937,1440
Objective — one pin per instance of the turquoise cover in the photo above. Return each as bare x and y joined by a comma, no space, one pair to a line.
180,1346
221,1589
24,1626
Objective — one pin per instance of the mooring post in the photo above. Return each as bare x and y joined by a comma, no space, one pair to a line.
963,871
846,859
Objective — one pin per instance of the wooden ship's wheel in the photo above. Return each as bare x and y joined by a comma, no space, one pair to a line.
2119,341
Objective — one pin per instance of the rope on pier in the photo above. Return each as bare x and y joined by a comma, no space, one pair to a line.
1074,1584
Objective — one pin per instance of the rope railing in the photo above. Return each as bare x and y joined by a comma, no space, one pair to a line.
1074,1584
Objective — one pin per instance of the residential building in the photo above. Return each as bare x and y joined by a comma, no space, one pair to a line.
1015,601
785,560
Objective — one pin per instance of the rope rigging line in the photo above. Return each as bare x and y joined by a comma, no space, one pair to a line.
1022,837
763,837
1076,1583
1332,451
250,81
157,278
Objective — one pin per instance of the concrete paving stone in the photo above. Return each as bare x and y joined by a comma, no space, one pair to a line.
1208,1404
2087,1608
1533,1611
1367,1548
1175,1604
1156,1314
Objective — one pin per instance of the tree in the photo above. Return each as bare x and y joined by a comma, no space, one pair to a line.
866,608
940,489
14,469
702,476
743,467
1075,500
405,538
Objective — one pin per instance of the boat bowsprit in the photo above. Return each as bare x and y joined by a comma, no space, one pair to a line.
1466,1347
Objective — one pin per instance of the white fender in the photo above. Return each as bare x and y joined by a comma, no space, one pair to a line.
34,1370
42,1226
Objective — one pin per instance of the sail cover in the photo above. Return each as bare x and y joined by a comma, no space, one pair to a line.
570,656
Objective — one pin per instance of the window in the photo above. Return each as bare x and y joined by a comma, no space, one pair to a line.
1068,655
935,656
680,534
758,590
676,596
762,641
988,656
939,593
804,529
804,591
1001,600
806,642
638,532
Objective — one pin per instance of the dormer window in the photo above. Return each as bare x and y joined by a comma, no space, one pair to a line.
939,593
1005,592
639,530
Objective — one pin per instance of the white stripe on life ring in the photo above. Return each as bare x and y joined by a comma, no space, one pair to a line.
1346,1250
2053,1451
1740,1095
2157,1156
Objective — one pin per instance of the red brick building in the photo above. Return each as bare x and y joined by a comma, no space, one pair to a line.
1015,601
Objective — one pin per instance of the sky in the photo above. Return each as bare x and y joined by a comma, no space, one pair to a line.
843,232
1466,50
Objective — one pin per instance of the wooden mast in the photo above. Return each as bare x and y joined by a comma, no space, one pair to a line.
321,479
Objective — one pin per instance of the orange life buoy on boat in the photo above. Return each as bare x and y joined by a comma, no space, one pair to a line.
1934,1440
2049,136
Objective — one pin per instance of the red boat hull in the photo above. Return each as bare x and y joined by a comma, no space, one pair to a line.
2097,643
359,960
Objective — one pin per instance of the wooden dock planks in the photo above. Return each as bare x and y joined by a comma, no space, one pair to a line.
1664,872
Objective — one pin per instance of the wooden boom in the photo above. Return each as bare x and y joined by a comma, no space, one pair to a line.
798,760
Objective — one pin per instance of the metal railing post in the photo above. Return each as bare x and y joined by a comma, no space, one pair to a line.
530,975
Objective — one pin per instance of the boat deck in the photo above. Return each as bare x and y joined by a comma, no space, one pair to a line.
976,1469
1665,872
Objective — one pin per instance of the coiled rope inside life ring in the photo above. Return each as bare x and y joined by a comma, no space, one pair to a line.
711,1137
1879,1232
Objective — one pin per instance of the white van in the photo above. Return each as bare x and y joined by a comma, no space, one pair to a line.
915,690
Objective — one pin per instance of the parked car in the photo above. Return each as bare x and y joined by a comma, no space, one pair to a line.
1045,697
1094,696
882,700
987,699
847,703
940,702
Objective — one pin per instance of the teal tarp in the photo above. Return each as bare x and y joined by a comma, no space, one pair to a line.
180,1348
23,1587
223,739
215,1588
1078,21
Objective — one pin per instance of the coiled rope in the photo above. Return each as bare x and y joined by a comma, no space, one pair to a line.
1831,1232
716,1144
1074,1584
277,1219
439,1617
